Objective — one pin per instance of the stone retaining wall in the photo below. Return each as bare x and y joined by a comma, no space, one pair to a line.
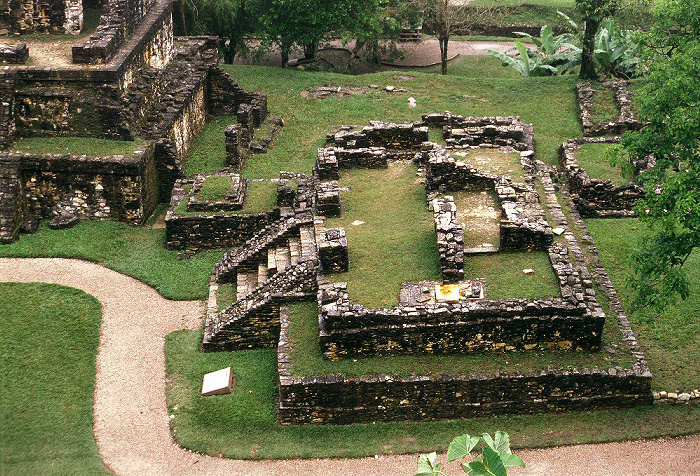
625,120
202,230
597,197
121,188
334,399
41,16
399,139
347,330
14,54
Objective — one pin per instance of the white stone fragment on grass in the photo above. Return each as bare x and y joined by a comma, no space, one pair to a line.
529,271
558,230
390,88
412,102
357,223
217,383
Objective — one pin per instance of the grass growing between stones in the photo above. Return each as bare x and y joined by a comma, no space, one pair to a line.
548,103
89,146
226,295
480,217
594,160
48,336
215,188
307,360
135,251
493,161
243,425
396,243
669,339
603,105
260,196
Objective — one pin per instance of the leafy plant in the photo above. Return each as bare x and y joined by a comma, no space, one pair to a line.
615,50
495,457
524,64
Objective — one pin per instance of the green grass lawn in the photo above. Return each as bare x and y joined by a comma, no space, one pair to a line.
243,425
670,339
260,196
594,160
48,343
603,105
136,251
215,188
77,146
397,241
208,152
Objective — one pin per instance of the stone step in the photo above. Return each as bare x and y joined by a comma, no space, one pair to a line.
262,273
295,250
246,282
271,263
308,243
282,258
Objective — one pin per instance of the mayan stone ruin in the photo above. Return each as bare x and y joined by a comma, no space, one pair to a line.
132,80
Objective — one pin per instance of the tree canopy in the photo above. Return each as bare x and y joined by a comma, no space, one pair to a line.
670,102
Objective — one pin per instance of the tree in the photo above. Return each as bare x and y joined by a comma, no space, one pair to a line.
670,102
230,20
306,22
593,12
445,18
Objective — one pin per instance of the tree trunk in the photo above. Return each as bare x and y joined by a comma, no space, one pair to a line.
443,39
284,51
588,50
310,50
180,24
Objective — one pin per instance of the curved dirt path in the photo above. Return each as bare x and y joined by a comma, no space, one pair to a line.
131,420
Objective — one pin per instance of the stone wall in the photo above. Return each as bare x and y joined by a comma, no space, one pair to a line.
41,16
335,399
400,140
523,223
226,96
347,330
460,131
597,197
625,120
328,199
450,238
119,20
11,198
116,187
332,246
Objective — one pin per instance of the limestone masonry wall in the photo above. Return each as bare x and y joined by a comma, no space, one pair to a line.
450,238
336,399
122,188
596,197
41,16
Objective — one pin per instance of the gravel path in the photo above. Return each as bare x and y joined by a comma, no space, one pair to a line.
131,420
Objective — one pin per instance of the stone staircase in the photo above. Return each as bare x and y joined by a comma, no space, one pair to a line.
11,200
277,265
263,248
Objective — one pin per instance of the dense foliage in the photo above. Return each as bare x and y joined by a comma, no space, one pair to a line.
670,102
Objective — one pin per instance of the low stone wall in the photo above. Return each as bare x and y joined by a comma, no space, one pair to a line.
226,97
14,54
597,197
460,131
523,223
399,139
334,399
332,246
11,198
450,238
328,199
210,229
625,120
121,188
347,330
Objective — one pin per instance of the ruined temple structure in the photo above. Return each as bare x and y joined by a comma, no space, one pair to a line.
131,79
41,16
292,256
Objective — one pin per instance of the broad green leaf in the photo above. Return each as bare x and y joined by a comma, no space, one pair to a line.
461,446
487,439
428,465
493,462
477,468
509,460
501,442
